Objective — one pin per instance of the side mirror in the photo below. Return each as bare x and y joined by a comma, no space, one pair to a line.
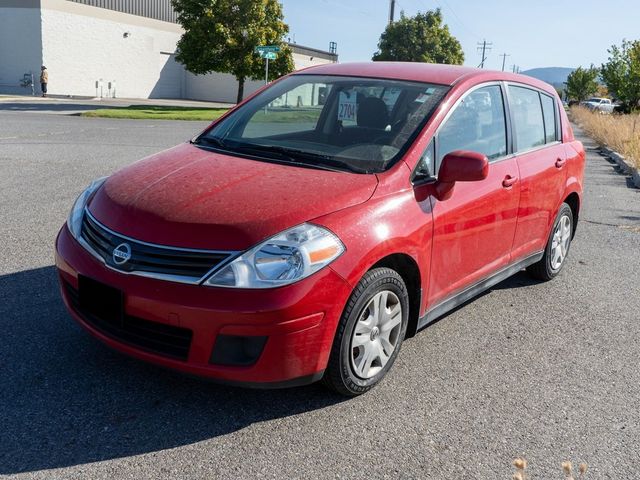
460,166
463,166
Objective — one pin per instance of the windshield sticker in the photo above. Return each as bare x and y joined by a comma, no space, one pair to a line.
347,106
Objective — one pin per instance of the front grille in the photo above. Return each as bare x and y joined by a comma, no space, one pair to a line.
154,337
168,263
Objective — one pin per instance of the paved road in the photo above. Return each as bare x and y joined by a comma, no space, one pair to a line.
547,371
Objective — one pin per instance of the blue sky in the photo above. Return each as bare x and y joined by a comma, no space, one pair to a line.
536,33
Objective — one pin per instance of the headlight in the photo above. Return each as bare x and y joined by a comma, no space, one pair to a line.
74,222
283,259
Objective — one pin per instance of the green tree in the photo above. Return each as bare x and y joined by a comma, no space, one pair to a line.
582,83
422,38
621,73
221,36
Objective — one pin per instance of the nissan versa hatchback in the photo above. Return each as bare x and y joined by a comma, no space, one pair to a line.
309,231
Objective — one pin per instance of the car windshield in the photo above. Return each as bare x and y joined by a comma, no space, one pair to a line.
355,124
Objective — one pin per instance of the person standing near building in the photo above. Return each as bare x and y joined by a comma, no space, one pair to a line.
44,80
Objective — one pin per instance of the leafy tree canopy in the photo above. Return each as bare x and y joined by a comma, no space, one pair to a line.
582,83
422,38
221,36
621,73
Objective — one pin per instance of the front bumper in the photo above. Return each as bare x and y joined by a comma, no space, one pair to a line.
298,322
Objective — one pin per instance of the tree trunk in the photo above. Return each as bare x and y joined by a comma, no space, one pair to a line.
240,89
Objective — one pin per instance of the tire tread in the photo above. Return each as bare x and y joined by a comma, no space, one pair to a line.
333,377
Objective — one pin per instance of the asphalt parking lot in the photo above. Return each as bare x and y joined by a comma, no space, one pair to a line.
547,371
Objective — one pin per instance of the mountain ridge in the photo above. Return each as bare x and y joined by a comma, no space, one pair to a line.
555,76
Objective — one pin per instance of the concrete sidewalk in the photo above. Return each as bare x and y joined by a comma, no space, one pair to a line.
71,106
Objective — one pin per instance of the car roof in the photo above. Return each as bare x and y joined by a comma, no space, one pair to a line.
421,72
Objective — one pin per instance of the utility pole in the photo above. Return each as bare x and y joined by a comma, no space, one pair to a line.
504,58
485,47
515,68
392,9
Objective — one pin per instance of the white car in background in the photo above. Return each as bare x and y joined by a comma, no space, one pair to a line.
602,105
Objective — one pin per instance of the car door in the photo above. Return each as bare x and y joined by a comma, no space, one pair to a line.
474,228
541,160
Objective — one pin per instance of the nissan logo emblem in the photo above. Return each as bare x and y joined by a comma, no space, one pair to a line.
122,254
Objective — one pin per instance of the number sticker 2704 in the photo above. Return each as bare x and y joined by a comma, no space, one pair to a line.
347,111
347,107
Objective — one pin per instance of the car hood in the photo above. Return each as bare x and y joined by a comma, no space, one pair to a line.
194,198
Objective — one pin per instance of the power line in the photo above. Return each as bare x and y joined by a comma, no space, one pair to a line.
504,58
460,22
484,47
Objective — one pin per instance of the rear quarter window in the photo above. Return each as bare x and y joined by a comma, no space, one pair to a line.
549,115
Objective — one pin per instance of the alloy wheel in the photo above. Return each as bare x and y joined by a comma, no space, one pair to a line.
560,242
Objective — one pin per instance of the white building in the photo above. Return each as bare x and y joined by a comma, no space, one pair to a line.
129,44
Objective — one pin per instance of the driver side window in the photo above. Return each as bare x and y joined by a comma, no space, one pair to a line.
477,124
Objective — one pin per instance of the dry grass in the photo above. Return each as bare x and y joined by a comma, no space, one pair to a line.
567,469
618,132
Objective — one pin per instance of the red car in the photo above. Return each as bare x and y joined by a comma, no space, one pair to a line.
309,231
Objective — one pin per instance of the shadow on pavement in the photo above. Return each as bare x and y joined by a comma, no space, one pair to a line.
67,400
520,279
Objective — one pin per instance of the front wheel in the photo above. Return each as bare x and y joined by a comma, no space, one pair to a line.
557,248
370,333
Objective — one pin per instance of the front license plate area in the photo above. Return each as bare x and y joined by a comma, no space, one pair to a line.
100,300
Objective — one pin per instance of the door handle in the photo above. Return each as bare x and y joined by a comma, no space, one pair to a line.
509,181
560,162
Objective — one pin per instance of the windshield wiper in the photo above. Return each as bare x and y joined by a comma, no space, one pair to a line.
295,156
290,155
211,141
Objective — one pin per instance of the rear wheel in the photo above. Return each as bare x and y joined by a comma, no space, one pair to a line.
370,333
557,247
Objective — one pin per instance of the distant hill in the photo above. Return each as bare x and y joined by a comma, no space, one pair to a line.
556,76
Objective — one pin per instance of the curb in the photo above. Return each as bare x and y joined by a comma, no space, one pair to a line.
625,166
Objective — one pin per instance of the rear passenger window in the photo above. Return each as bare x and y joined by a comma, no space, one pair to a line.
477,124
527,115
549,118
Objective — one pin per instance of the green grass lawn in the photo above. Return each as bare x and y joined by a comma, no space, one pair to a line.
285,115
148,112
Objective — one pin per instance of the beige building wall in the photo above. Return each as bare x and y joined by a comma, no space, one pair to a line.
20,43
222,87
83,45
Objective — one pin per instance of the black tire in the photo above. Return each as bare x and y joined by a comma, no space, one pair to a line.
340,375
543,269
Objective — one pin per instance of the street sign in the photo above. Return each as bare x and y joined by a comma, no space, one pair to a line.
268,52
267,48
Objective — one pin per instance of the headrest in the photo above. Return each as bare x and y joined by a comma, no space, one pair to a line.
372,113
